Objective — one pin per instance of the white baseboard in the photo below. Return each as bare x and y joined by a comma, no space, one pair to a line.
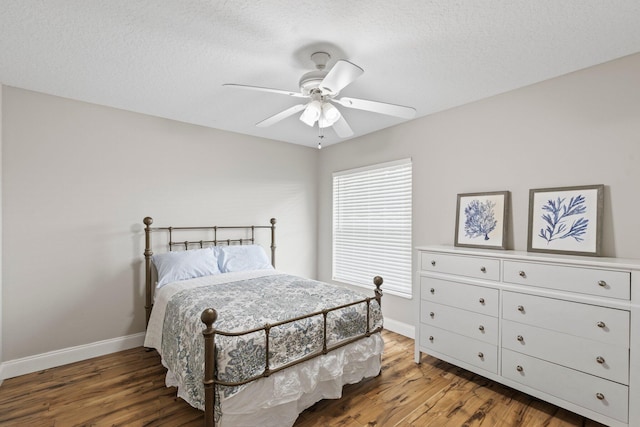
27,365
399,327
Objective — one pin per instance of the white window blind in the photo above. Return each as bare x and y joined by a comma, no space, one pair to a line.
372,226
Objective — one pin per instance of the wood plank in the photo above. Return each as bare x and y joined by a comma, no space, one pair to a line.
127,389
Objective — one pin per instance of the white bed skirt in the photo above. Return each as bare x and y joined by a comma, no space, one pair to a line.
276,401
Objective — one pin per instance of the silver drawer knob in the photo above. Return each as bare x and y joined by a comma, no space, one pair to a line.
601,324
602,283
522,273
521,308
520,338
481,355
600,359
481,300
431,338
600,396
432,314
484,270
519,368
433,263
433,291
481,328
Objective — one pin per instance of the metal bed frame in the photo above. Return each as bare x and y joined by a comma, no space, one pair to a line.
209,316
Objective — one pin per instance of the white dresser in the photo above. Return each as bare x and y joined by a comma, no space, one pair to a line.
565,329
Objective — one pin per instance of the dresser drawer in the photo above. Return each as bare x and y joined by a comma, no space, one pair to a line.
478,299
465,349
480,268
605,283
593,357
588,321
463,322
605,397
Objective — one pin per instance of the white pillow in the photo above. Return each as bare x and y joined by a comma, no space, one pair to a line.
183,265
242,258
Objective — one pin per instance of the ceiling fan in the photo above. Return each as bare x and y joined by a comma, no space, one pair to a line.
321,87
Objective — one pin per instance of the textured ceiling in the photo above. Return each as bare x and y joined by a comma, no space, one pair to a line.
170,58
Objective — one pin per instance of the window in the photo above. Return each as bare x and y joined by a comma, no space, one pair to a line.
372,226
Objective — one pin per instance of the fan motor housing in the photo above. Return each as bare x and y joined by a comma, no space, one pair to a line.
311,80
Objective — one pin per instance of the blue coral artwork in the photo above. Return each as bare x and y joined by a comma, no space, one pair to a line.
565,220
481,219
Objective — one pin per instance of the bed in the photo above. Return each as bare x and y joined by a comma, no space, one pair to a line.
244,342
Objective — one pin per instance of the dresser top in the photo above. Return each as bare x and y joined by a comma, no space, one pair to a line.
626,263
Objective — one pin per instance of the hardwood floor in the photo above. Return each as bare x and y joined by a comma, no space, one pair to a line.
127,389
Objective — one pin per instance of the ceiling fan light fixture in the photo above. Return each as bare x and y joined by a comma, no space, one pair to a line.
330,113
311,113
323,123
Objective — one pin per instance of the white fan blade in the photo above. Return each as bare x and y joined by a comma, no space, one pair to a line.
342,128
341,75
378,107
281,115
267,89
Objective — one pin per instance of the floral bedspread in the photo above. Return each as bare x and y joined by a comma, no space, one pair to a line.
251,303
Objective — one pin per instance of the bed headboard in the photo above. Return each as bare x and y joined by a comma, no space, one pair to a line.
210,236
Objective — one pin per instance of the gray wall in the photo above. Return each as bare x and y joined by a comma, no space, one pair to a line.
1,185
79,178
578,129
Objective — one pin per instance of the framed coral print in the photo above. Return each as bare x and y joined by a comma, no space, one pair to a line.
481,220
566,220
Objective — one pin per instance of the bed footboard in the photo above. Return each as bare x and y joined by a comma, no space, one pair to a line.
209,316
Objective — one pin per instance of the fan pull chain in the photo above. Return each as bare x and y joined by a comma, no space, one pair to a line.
320,136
